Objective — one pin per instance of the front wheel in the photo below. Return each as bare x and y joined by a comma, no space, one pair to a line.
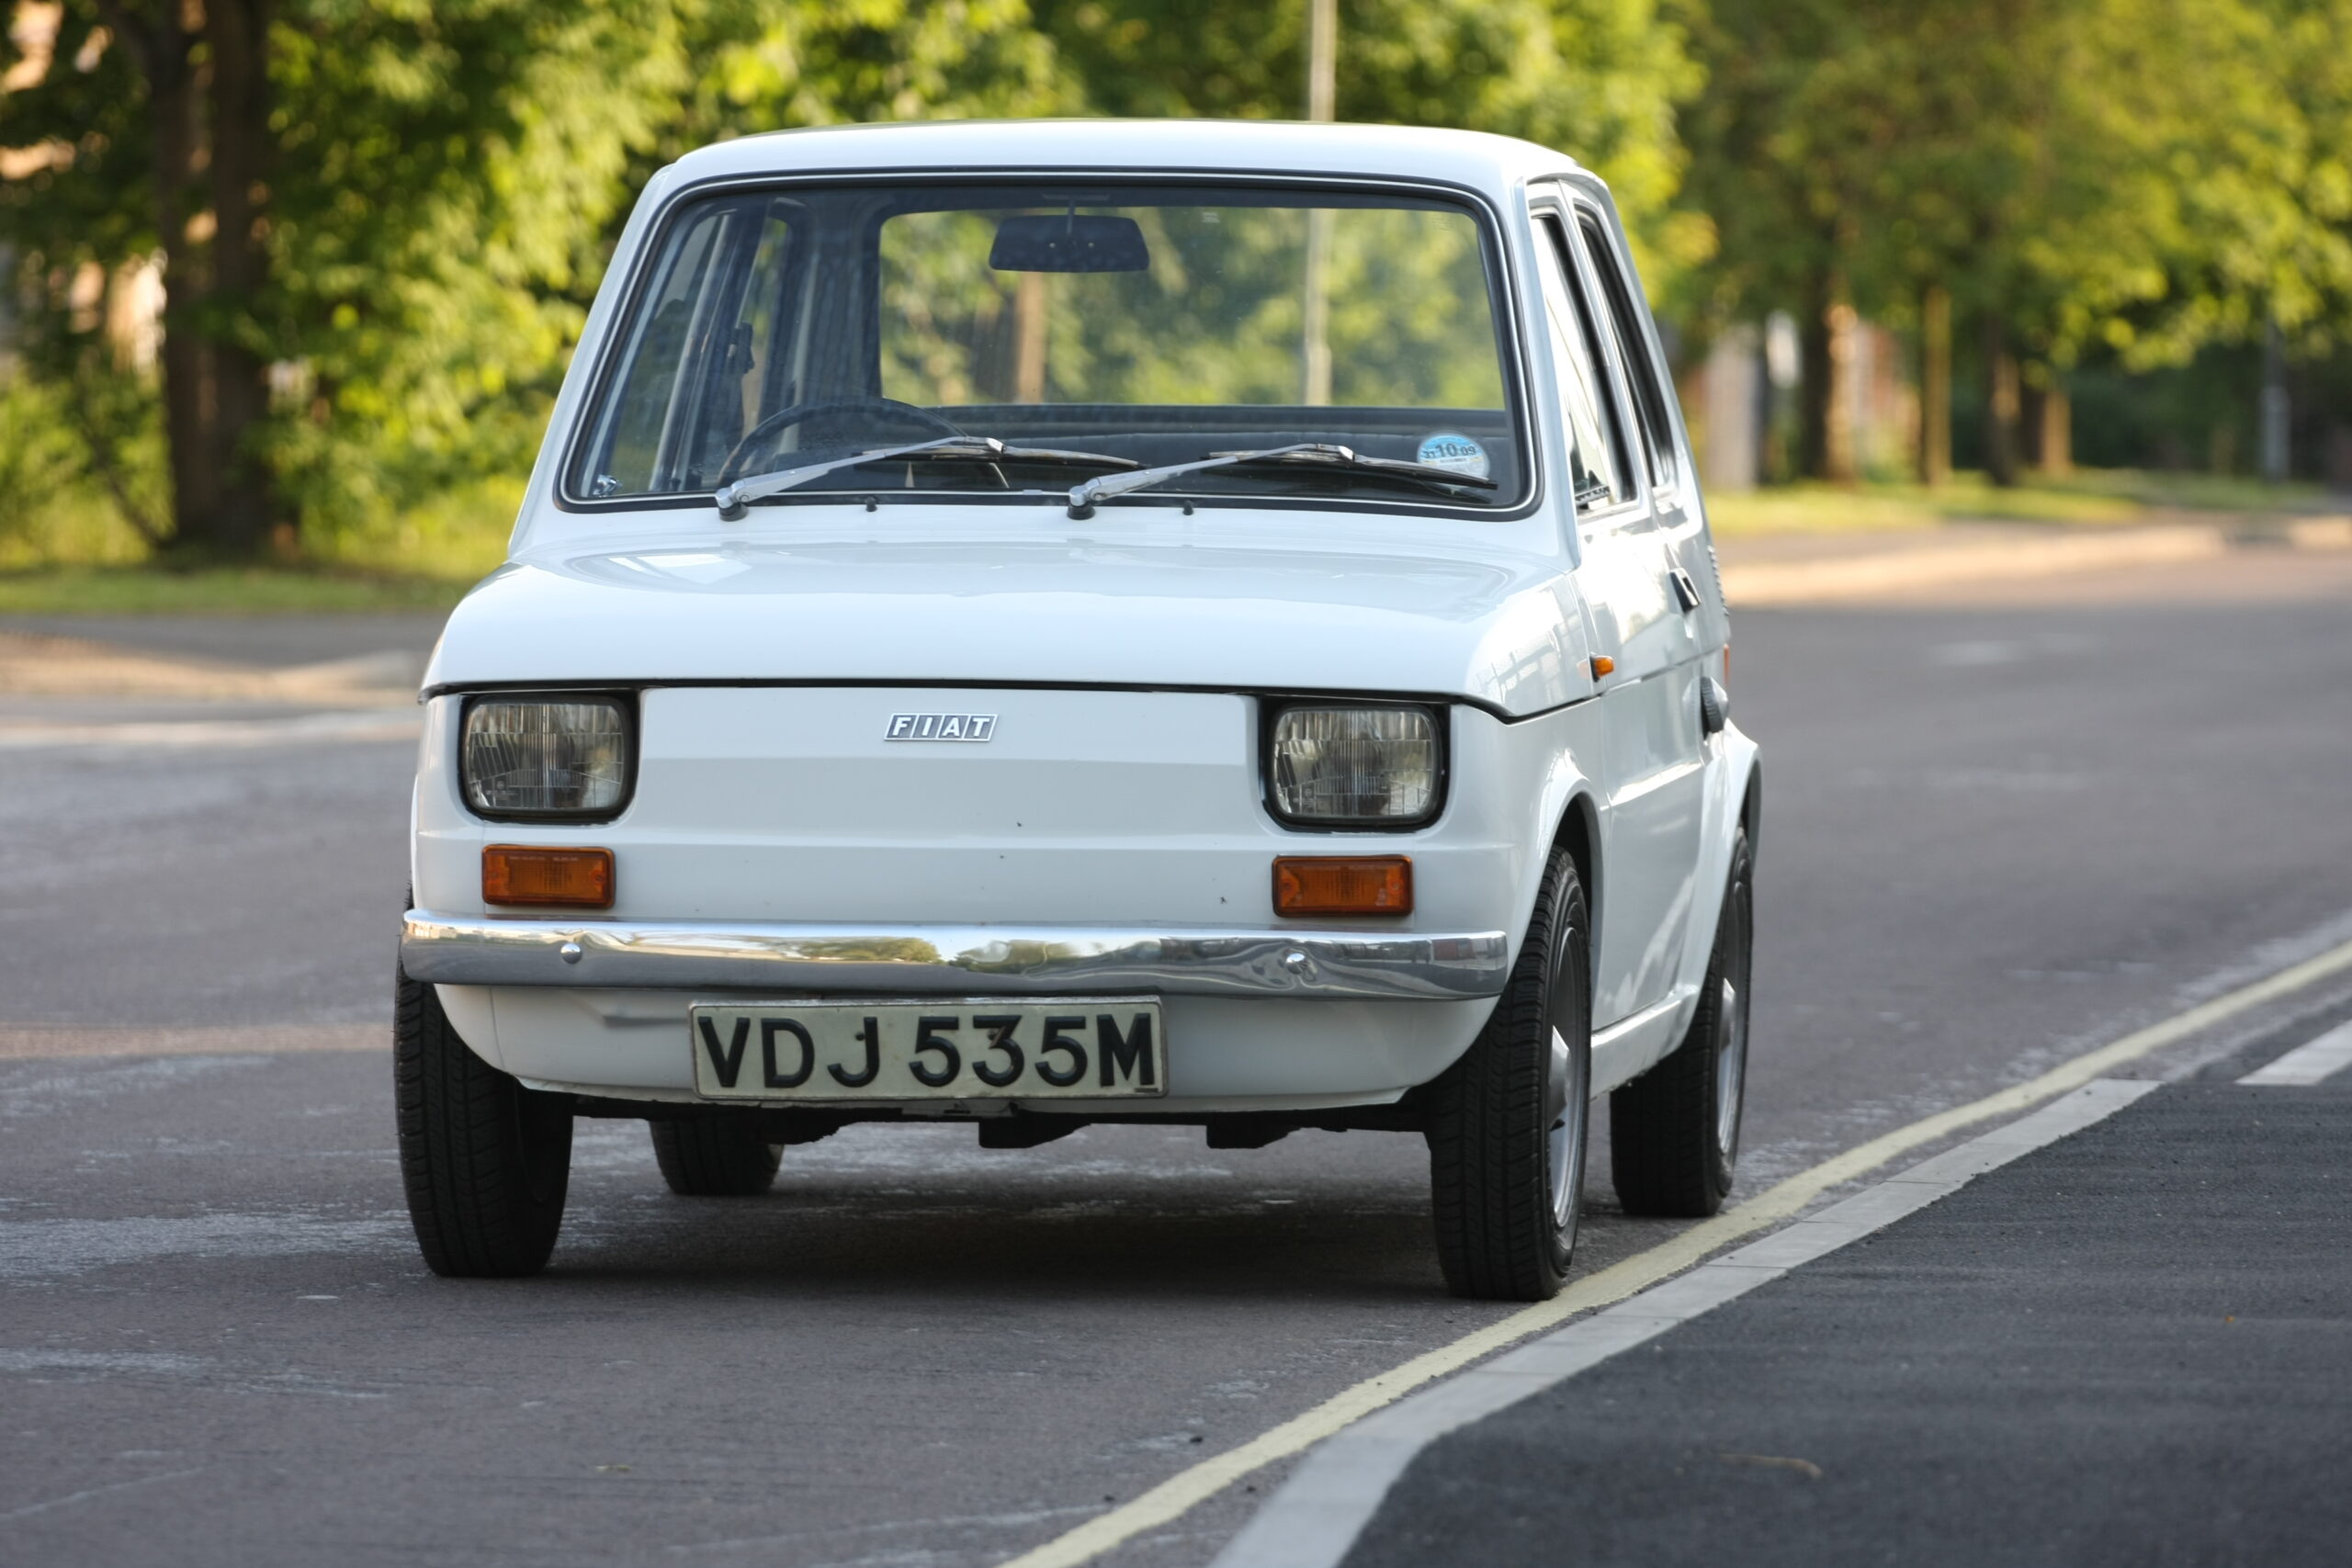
485,1161
1506,1122
1674,1132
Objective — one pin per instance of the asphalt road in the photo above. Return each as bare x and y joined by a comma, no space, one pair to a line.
2157,1304
1995,834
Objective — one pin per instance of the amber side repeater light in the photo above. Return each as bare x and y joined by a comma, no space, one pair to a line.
539,874
1359,884
1602,665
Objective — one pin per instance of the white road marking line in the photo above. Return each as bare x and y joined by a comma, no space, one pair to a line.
1179,1493
363,725
1315,1518
32,1508
33,1042
2314,1061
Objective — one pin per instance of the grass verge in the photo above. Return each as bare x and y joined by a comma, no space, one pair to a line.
1875,508
216,591
2089,497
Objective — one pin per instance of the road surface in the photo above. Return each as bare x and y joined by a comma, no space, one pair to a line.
1997,831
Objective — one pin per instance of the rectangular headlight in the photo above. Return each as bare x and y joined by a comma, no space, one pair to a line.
546,756
1354,767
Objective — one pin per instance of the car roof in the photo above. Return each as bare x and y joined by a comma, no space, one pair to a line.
1495,164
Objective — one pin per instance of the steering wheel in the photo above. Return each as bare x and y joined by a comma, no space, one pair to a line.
756,438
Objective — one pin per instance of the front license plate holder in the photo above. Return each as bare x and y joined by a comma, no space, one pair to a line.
943,1048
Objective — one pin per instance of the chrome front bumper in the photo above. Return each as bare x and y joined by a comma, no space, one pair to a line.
478,949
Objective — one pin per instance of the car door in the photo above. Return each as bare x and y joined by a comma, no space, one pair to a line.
1650,766
1674,493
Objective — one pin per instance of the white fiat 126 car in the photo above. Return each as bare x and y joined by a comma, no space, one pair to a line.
1047,624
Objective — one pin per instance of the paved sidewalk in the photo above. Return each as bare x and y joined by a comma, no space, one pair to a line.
266,641
1834,565
2133,1346
60,676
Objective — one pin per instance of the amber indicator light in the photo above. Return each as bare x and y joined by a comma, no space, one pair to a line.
1361,885
537,873
1602,665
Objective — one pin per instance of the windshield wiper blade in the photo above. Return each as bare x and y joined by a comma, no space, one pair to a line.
1082,498
735,499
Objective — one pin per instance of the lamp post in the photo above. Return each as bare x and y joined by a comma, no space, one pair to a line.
1314,312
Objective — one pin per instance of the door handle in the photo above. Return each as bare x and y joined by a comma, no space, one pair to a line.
1686,592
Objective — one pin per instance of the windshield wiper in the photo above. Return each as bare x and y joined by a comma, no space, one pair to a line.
735,499
1320,454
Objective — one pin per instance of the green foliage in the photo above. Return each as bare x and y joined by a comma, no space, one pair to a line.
2133,177
50,505
449,177
450,170
1598,79
2121,181
1891,507
1216,319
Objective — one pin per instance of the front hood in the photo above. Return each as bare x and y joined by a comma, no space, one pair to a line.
1491,628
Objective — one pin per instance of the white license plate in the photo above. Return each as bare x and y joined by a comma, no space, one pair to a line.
1085,1049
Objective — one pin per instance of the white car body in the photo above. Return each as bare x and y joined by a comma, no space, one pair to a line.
1112,834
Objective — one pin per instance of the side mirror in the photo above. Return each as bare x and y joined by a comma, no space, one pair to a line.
1714,705
1068,243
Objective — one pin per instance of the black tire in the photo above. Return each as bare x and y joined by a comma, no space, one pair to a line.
1507,1123
710,1158
485,1160
1674,1132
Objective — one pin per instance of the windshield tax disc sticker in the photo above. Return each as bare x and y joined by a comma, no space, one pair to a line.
1457,453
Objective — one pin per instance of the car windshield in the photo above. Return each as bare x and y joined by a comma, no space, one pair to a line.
1089,328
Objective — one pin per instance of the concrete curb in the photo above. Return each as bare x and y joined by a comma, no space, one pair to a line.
1861,576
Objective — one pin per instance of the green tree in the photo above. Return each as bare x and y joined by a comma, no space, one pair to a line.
2132,177
1598,79
380,222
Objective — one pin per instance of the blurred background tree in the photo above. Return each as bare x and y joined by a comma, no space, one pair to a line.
275,272
2125,182
1603,78
376,226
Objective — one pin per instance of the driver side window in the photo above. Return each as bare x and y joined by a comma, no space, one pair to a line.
1599,466
703,368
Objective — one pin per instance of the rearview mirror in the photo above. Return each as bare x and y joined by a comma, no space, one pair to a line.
1068,243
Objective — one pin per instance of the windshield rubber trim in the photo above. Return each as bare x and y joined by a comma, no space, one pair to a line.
1500,281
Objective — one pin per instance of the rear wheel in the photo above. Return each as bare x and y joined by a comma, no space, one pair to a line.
485,1161
1506,1122
711,1158
1674,1132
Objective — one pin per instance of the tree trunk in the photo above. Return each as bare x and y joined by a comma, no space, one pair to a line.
1029,338
2054,446
212,134
1935,385
237,32
2000,402
1841,434
162,47
1816,378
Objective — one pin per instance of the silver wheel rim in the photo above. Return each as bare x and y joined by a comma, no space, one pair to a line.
1564,1093
1731,1069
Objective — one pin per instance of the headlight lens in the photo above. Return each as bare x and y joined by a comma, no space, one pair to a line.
546,756
1368,767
